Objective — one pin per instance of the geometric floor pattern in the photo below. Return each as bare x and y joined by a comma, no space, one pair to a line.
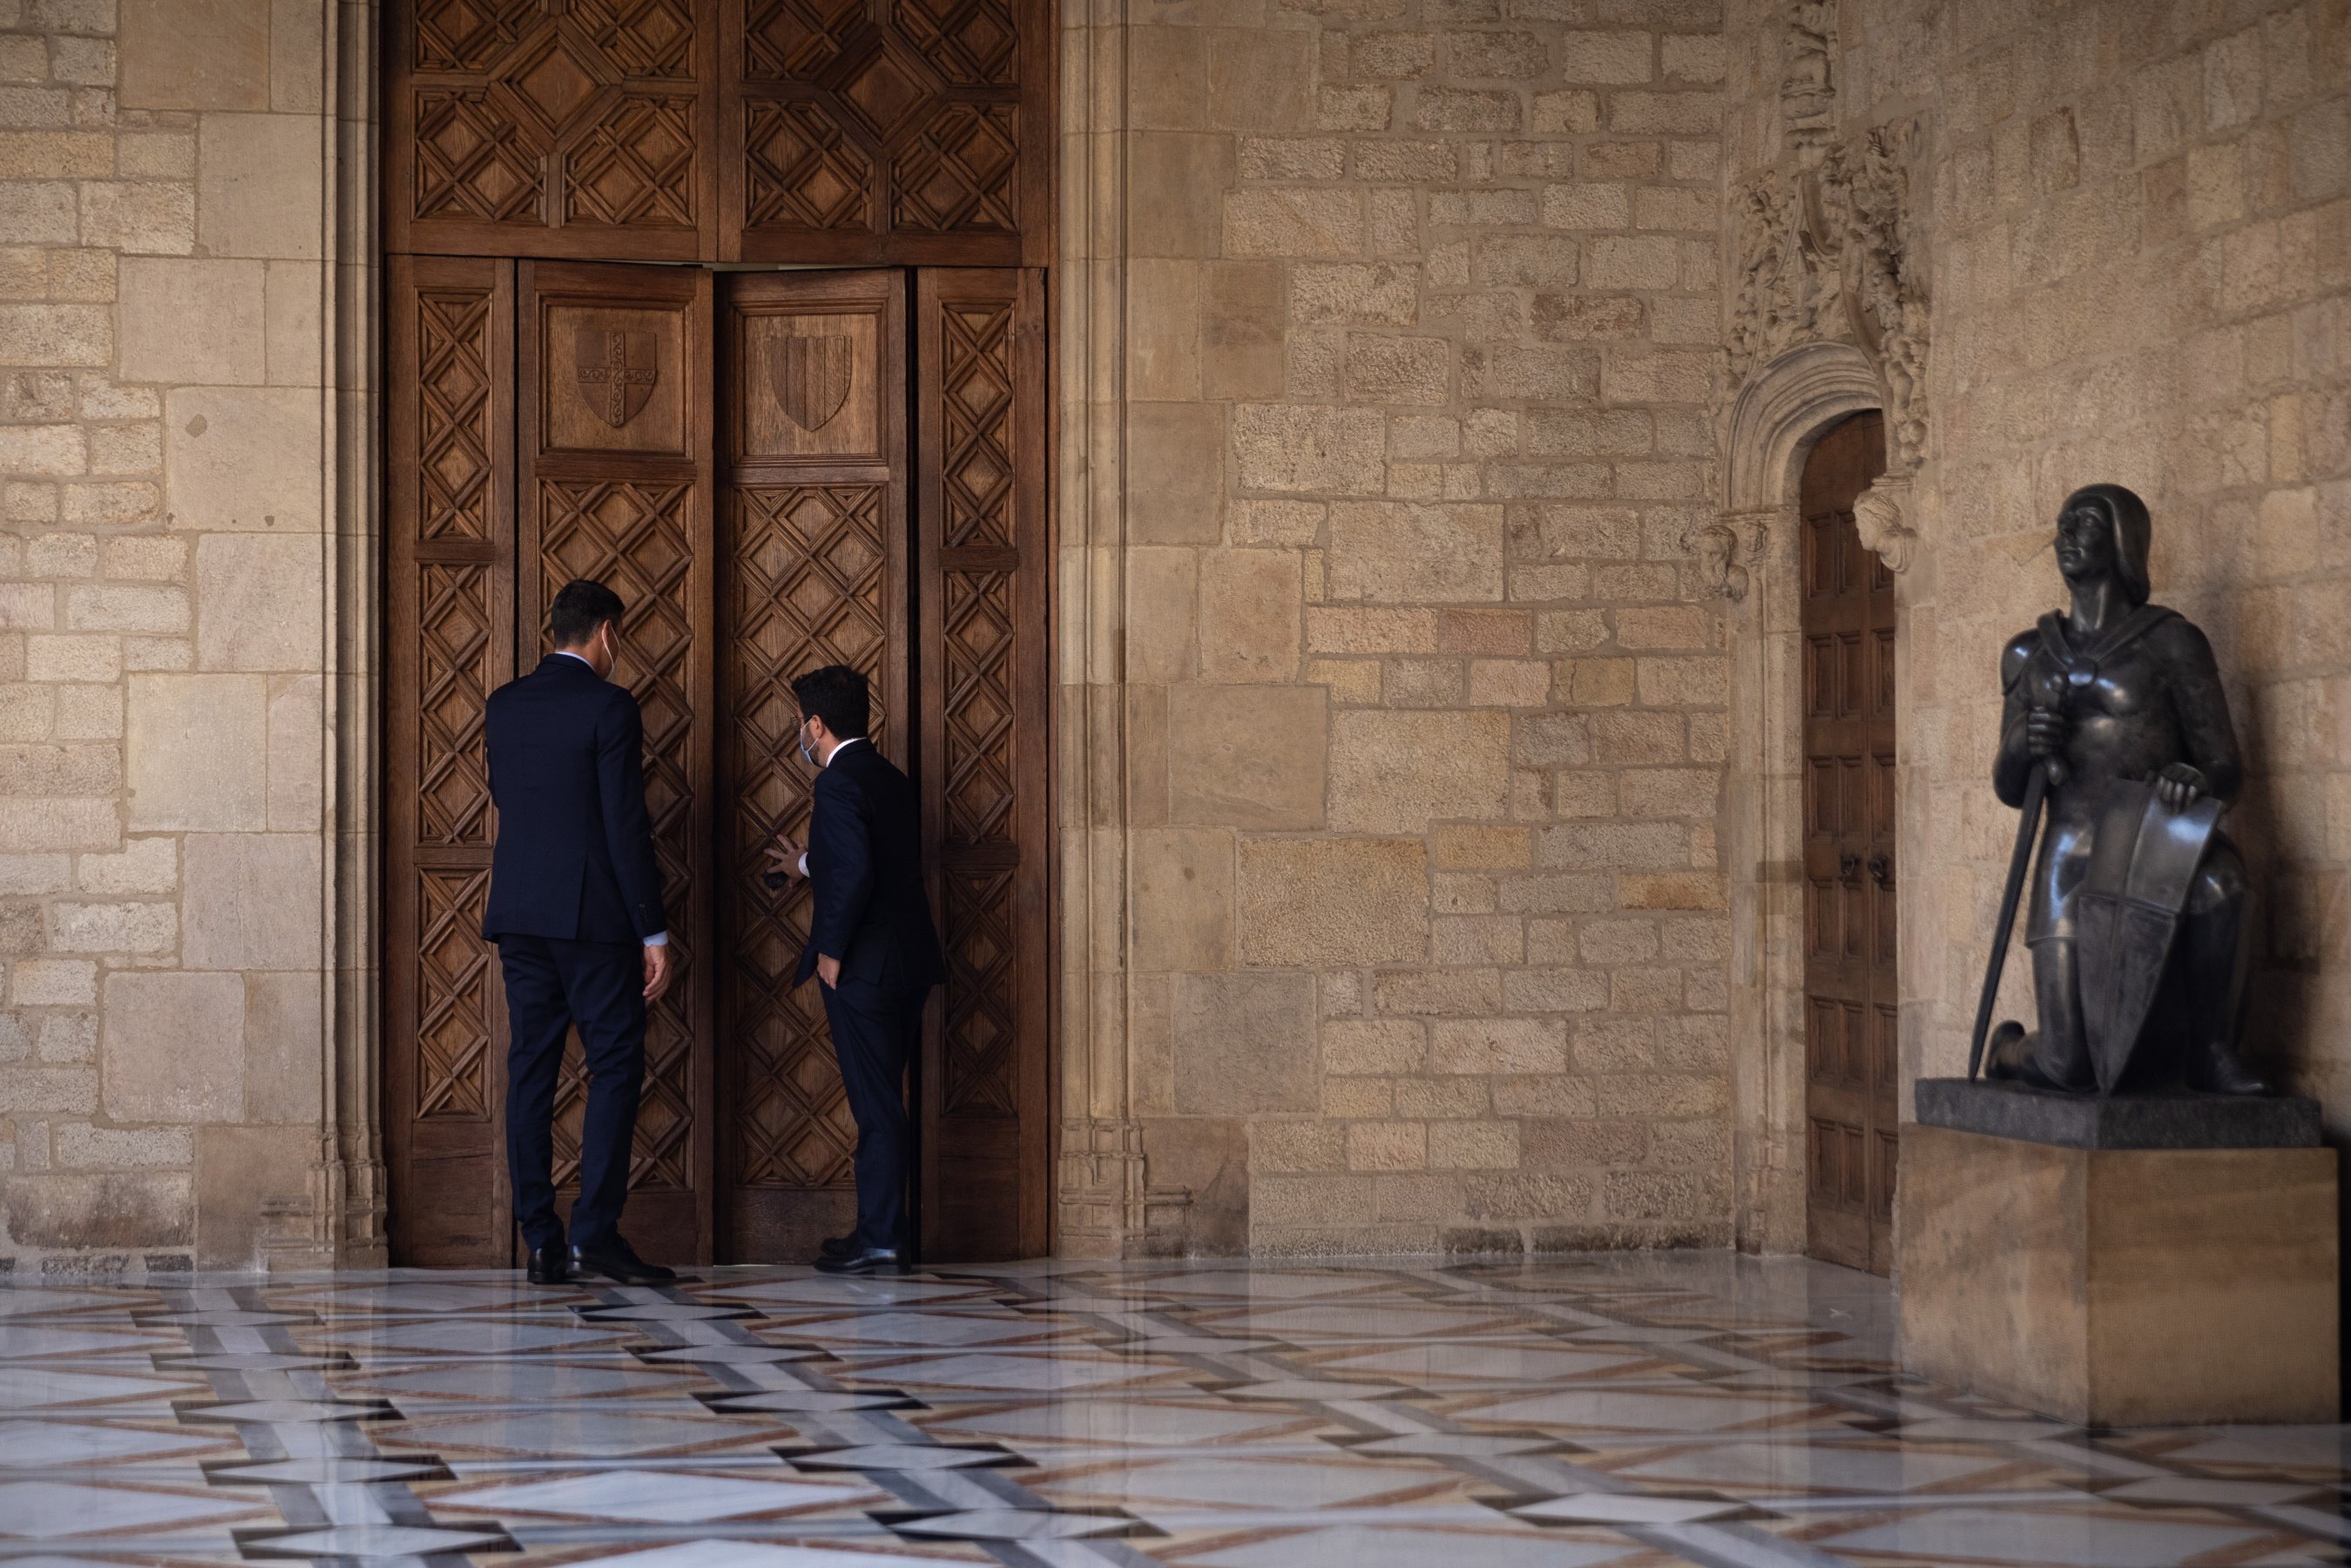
1632,1410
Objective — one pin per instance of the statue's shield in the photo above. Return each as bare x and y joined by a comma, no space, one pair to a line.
617,371
811,377
2142,867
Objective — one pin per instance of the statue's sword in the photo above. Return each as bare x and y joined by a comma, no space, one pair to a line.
2047,771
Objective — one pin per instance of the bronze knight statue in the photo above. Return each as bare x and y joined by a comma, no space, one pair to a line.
2137,929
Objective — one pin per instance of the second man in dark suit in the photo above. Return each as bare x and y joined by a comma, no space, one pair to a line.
871,946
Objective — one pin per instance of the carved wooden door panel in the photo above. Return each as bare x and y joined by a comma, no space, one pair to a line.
613,438
450,567
812,572
1852,1034
986,680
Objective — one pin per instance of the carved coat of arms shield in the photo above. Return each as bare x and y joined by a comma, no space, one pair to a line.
811,376
617,369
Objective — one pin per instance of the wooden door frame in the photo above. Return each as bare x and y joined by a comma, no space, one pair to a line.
1781,412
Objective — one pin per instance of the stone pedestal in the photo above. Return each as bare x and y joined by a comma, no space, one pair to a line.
2119,1285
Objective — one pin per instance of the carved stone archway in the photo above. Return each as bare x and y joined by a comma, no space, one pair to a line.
1780,411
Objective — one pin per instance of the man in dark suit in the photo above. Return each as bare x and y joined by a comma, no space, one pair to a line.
575,910
870,946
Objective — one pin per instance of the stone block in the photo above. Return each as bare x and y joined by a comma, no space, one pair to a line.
260,601
1183,898
240,1171
295,336
198,745
195,54
1395,553
57,335
1244,1043
1207,1159
1495,1047
1333,900
138,217
44,822
244,459
1250,616
1396,772
1376,294
1406,372
1294,220
2121,1286
1242,329
296,768
53,982
1247,755
1175,472
119,1210
1259,80
262,191
286,1047
193,322
172,1048
1187,175
252,901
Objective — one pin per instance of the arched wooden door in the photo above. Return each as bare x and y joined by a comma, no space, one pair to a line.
1851,1056
776,469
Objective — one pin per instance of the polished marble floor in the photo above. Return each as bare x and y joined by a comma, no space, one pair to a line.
1629,1410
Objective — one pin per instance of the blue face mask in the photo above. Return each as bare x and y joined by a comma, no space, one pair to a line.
808,753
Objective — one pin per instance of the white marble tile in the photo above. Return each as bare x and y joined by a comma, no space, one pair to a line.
381,1540
2204,1491
1038,1374
520,1380
2078,1538
1359,1546
559,1434
37,1388
52,1509
1808,1466
1477,1363
1252,1482
755,1554
925,1329
657,1497
1014,1524
1121,1422
60,1444
1622,1410
1625,1508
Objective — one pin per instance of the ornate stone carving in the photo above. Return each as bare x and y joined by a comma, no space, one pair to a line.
1718,561
1879,515
1824,255
1807,88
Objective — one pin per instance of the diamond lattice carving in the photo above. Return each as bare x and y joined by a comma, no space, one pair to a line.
469,34
643,38
454,673
506,95
801,171
806,588
635,168
982,1007
453,413
973,42
795,40
957,173
455,995
473,160
977,621
976,410
636,537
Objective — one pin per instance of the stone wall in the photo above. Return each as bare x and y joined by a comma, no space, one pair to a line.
166,625
1425,729
2131,224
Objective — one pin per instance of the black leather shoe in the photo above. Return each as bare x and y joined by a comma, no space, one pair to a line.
551,1265
618,1261
836,1247
865,1260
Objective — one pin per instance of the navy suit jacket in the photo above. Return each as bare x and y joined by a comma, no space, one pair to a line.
575,851
867,906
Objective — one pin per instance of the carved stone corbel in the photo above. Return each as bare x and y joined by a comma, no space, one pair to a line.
1881,515
1717,548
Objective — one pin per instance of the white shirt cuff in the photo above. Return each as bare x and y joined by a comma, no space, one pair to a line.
804,863
658,939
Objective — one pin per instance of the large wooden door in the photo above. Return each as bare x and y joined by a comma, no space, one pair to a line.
1851,997
813,571
775,471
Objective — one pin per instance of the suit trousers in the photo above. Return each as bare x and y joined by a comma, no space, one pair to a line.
552,986
875,1032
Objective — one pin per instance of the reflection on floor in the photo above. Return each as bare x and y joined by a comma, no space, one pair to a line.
1626,1410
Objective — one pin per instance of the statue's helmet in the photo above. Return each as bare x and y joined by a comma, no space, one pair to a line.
2132,530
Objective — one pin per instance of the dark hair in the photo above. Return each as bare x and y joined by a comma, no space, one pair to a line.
2132,531
580,606
836,694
